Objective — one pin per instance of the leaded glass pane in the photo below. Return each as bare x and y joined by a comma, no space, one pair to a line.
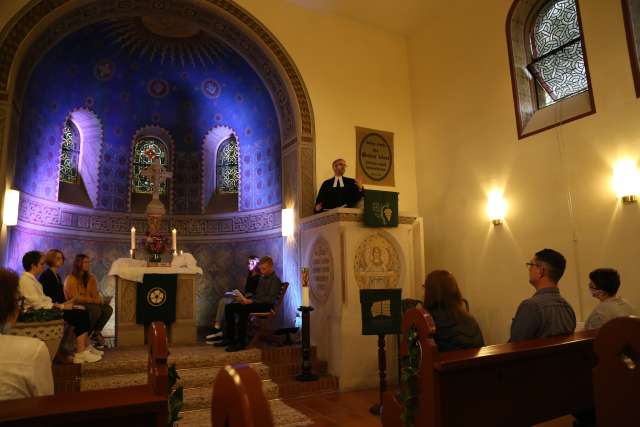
562,73
145,150
556,26
69,154
558,58
227,173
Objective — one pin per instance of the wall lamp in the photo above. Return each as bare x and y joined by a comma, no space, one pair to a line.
626,180
287,222
496,207
10,209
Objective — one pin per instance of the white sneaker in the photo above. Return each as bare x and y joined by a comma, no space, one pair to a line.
94,350
86,357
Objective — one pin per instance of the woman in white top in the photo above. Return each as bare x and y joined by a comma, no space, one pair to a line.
25,364
604,286
31,289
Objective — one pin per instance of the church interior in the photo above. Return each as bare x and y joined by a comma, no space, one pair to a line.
169,142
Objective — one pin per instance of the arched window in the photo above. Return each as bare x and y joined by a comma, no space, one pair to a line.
556,50
70,153
549,68
144,151
227,173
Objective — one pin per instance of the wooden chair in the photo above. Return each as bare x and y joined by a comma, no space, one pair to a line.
238,400
144,406
264,324
505,385
616,378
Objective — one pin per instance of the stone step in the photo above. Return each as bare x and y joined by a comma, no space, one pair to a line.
124,361
291,369
189,378
292,388
283,416
200,397
285,354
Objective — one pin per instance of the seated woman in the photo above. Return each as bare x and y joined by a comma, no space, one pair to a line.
35,299
82,287
25,364
604,284
456,329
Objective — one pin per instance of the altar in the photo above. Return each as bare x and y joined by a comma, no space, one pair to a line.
129,274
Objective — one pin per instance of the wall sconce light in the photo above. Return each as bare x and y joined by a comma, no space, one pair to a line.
287,222
626,180
496,207
10,209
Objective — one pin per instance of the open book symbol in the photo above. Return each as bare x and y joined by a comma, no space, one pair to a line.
381,308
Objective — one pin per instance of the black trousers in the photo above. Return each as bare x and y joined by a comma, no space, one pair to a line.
241,311
79,319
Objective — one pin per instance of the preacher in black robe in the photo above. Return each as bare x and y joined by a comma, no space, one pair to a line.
338,191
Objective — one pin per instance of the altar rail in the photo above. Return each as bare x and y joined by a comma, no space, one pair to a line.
141,406
505,385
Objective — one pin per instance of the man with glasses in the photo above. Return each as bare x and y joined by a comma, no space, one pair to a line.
546,313
338,191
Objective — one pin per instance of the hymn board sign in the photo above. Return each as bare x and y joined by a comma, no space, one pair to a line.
374,149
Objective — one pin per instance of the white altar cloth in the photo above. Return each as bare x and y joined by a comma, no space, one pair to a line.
135,269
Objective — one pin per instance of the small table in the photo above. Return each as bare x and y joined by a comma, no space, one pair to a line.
128,274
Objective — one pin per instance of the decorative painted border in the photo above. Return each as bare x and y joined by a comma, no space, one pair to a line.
61,216
339,215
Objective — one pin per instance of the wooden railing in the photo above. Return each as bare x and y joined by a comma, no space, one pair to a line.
144,406
515,384
238,399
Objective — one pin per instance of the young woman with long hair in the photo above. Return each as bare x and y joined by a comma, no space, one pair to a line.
456,328
82,286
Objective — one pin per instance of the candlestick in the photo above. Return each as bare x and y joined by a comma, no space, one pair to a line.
133,238
174,243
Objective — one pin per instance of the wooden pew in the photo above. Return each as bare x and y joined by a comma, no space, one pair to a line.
238,400
144,406
616,378
510,385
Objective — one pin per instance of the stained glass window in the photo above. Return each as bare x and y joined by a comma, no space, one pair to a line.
70,153
145,150
227,173
556,48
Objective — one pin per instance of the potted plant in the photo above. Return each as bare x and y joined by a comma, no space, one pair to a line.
45,325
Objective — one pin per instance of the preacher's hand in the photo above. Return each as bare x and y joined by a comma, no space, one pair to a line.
318,207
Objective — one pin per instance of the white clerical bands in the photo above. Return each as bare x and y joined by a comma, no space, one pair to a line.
338,181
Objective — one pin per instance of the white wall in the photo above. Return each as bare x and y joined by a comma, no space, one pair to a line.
557,182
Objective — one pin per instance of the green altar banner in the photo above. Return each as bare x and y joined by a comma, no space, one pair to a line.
380,208
156,298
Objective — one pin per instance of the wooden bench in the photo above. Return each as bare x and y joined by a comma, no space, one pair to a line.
144,406
510,385
616,379
264,324
238,399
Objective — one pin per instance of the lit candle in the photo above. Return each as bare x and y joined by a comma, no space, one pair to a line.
174,243
305,286
305,296
181,252
131,253
133,238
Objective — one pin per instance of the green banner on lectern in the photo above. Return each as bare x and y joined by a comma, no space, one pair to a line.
380,208
156,298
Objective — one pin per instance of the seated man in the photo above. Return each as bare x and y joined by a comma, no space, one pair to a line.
546,313
604,284
266,293
338,191
250,286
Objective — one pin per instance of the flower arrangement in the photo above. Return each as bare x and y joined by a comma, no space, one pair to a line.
156,245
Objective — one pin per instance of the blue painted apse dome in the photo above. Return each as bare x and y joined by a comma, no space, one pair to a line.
149,77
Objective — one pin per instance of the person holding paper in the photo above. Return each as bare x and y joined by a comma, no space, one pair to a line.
253,276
